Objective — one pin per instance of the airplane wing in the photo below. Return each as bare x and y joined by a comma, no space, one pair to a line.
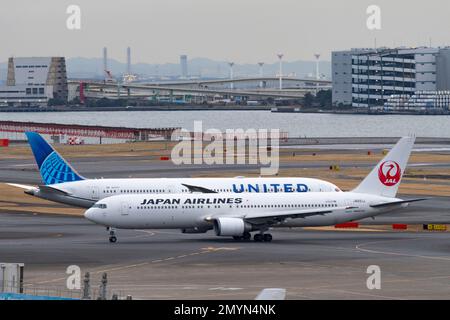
276,217
198,189
393,203
272,294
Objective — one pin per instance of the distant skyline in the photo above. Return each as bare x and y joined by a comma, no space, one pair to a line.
248,31
197,67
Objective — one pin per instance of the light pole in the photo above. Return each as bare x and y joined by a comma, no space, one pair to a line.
317,56
261,64
231,64
280,57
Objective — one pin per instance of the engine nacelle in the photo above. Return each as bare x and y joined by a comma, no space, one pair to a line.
230,227
195,230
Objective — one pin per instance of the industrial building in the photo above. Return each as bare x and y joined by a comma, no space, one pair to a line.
34,81
369,77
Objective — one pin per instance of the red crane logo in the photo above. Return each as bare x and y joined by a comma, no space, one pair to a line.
389,173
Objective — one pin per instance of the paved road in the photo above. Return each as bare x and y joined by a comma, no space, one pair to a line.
168,265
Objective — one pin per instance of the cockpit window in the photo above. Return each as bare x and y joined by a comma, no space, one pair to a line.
100,206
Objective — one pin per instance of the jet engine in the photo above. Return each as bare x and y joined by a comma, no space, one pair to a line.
231,226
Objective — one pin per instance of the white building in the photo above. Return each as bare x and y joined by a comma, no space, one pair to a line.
368,77
35,80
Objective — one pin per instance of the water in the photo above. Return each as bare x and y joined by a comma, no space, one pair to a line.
296,124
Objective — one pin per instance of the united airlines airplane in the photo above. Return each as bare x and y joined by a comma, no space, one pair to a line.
62,183
237,215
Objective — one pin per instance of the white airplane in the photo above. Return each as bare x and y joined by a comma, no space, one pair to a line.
64,184
238,215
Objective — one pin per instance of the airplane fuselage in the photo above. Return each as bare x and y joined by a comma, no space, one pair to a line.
197,211
85,193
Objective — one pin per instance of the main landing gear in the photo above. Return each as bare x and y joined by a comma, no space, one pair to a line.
259,237
262,237
112,234
246,236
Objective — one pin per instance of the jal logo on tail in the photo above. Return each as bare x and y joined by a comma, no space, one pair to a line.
389,173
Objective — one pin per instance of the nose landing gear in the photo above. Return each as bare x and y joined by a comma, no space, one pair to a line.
112,235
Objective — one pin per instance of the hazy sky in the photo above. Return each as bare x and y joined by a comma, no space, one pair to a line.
244,31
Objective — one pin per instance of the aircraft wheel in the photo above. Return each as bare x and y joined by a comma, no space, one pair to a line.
267,237
247,236
258,237
112,239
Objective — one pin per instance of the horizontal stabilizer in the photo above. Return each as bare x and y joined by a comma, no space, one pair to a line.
21,186
49,189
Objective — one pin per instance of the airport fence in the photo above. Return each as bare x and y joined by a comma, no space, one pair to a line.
11,290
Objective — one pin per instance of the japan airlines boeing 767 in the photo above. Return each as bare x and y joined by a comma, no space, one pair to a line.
238,215
64,184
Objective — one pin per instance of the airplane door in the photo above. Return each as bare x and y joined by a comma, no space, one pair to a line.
94,192
125,208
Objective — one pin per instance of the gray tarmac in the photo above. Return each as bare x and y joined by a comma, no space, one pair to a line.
25,171
165,264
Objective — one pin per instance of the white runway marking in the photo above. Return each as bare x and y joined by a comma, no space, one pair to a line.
359,247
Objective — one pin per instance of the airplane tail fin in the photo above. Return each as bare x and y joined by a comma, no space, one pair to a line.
52,167
385,178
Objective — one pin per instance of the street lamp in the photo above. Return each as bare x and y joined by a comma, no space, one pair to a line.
317,56
231,64
261,64
280,58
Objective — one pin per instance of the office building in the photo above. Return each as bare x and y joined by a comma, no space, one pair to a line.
369,77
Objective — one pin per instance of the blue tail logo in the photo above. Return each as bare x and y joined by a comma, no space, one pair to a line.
53,168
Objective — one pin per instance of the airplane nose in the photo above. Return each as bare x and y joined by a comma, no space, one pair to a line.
90,214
